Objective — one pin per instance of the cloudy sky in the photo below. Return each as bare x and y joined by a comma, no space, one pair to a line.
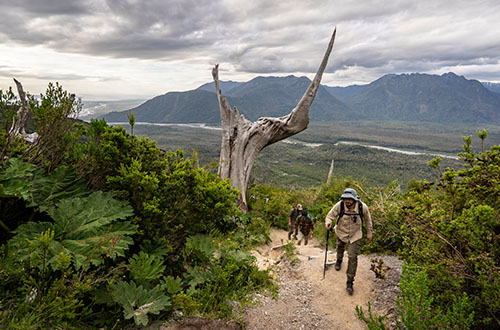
123,49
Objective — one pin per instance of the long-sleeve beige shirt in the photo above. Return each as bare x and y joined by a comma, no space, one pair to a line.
347,230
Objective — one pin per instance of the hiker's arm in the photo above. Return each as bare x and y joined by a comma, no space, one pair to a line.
331,216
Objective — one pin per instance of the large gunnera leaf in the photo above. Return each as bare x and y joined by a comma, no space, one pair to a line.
85,228
138,302
37,188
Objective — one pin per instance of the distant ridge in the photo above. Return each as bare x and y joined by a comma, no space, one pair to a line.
493,87
430,98
259,97
446,98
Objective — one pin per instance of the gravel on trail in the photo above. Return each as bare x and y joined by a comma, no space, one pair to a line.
306,301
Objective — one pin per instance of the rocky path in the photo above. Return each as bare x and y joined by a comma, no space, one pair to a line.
307,301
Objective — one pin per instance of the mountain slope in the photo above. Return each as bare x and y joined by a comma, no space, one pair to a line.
260,97
277,96
422,97
225,86
406,97
344,92
493,87
196,106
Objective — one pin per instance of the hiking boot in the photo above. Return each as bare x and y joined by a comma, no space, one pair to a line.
337,264
349,287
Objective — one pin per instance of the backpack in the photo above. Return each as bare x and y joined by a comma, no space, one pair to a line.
309,221
342,211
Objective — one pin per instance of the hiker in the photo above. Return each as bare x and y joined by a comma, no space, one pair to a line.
349,214
303,227
292,217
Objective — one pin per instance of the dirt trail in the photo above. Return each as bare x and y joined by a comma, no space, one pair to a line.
307,301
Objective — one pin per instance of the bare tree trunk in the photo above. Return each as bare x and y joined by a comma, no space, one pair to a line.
22,114
330,172
242,140
18,126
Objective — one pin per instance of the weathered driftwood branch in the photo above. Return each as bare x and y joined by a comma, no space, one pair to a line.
17,127
18,124
242,140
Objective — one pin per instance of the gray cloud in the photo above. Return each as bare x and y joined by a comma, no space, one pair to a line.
259,37
9,72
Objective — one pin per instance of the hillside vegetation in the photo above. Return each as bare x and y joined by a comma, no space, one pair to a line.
105,229
406,97
296,165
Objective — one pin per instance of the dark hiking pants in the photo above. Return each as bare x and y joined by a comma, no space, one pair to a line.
292,227
352,253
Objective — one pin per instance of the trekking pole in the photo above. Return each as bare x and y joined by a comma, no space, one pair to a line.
326,253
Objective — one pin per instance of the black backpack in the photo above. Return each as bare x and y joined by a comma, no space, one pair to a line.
342,211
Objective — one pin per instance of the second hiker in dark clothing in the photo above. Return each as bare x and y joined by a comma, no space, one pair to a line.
292,217
304,226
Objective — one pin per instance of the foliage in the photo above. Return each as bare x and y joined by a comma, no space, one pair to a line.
145,268
38,188
249,231
74,264
270,203
291,252
416,309
40,297
138,302
373,322
219,275
85,229
54,113
10,145
452,231
67,230
171,198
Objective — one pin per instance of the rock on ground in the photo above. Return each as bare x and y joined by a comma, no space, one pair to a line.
306,301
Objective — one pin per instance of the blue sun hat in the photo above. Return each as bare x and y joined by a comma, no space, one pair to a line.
350,193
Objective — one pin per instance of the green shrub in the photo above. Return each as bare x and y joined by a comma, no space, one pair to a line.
171,198
271,204
452,231
221,276
49,266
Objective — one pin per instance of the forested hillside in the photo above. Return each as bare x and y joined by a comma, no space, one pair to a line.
446,98
303,161
103,228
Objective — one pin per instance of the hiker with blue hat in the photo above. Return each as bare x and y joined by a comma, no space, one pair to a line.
349,214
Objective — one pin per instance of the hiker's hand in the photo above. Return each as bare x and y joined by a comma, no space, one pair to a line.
328,226
311,236
368,240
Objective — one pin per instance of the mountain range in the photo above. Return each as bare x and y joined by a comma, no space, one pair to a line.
446,98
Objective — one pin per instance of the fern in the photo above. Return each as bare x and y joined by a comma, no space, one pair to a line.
138,302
